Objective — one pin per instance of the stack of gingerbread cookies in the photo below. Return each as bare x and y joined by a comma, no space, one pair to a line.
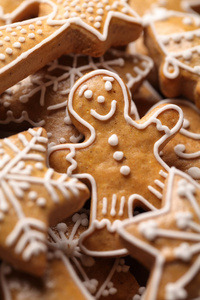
99,150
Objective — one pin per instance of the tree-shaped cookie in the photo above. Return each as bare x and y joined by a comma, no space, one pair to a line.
79,26
168,242
71,274
172,39
32,196
119,157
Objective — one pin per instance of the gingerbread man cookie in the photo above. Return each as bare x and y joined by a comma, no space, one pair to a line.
172,39
167,241
64,27
70,273
41,98
32,196
115,156
183,150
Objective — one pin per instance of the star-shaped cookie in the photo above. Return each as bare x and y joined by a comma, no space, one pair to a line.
167,241
80,26
116,155
32,196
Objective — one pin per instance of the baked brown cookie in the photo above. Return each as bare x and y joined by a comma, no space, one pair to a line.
167,241
148,6
41,98
183,150
70,273
116,152
63,27
32,196
172,39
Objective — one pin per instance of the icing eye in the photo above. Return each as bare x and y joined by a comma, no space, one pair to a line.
108,86
88,94
101,99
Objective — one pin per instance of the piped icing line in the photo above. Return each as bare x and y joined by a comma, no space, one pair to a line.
126,116
69,73
183,131
170,57
27,237
61,242
128,119
109,115
72,148
180,148
64,24
24,117
113,270
186,190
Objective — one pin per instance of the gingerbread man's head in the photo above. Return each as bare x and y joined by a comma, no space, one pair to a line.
99,98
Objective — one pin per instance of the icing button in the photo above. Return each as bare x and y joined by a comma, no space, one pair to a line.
125,170
113,140
118,155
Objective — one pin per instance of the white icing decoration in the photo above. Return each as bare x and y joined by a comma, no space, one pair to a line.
104,222
88,94
118,155
113,140
32,195
39,31
16,177
101,99
31,27
125,170
17,45
22,39
194,172
106,117
173,64
108,86
41,202
31,35
9,51
2,56
39,166
7,39
186,235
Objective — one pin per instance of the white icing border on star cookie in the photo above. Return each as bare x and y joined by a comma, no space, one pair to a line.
159,258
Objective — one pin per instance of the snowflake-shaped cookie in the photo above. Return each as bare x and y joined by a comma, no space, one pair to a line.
32,196
70,273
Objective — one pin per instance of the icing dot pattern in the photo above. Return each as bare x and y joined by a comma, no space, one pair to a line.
92,13
180,47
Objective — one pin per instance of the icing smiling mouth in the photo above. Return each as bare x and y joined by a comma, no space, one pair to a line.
108,115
